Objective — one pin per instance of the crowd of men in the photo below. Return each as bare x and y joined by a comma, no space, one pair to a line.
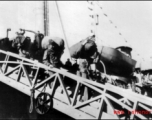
48,50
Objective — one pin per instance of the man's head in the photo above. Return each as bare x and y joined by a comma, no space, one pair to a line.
90,48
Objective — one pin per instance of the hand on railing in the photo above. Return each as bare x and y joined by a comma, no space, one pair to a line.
50,66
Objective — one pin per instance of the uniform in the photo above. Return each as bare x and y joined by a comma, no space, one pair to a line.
54,48
22,43
36,51
85,51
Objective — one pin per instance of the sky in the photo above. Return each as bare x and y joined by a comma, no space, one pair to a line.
131,19
134,21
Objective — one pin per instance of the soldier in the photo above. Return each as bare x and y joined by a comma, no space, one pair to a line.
36,51
22,43
75,67
53,49
68,64
86,52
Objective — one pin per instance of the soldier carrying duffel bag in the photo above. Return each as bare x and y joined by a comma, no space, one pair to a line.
54,48
86,52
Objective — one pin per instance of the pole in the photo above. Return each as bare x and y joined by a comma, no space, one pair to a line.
45,20
9,29
62,28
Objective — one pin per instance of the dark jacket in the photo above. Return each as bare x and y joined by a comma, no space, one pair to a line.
54,48
85,51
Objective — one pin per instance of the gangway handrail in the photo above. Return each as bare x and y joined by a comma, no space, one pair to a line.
68,74
72,75
48,68
103,90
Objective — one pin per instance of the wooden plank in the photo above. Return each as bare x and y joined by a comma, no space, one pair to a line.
108,116
88,101
74,113
90,110
8,73
44,81
95,104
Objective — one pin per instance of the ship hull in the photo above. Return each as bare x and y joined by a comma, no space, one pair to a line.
116,63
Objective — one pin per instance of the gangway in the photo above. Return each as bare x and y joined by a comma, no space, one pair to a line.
61,90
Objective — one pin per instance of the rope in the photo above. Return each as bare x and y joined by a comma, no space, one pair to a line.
63,28
32,103
111,22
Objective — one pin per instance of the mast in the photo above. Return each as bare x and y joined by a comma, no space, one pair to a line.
39,16
46,18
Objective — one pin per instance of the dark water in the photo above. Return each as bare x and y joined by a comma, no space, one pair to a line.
14,105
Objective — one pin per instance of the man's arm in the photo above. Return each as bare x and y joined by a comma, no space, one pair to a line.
45,58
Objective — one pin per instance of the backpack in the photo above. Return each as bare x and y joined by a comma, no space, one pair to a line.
51,40
79,50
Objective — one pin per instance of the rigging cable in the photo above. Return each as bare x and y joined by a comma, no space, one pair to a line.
63,28
111,22
116,28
